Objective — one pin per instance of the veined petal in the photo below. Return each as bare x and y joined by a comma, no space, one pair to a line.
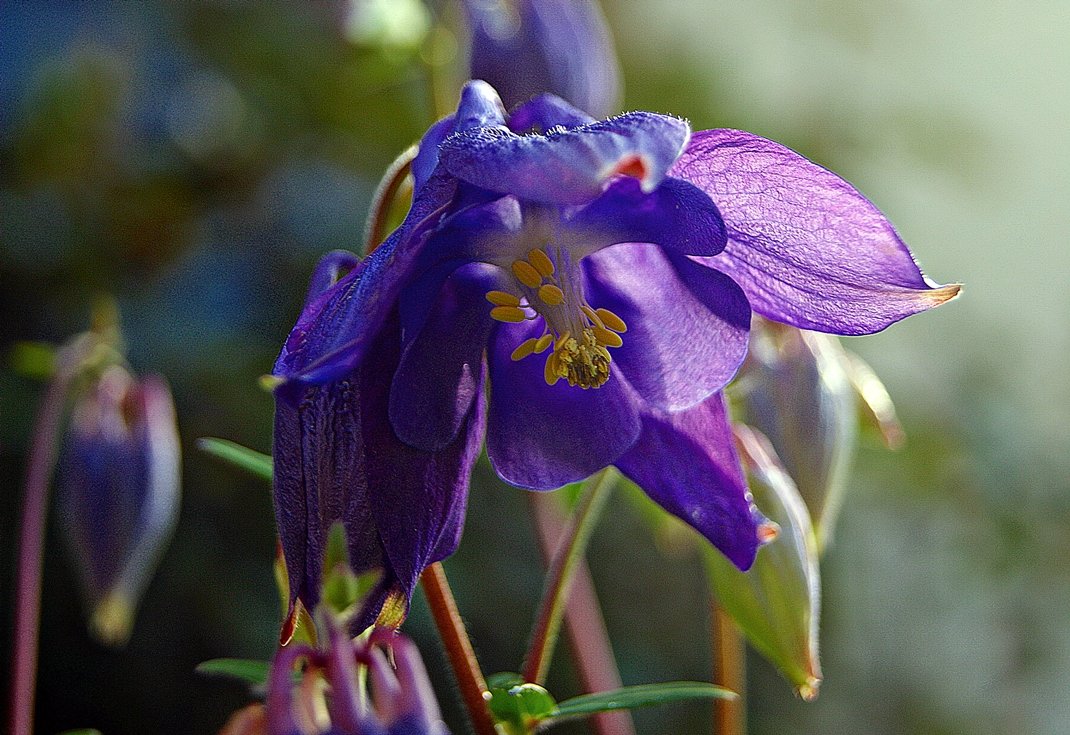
544,112
687,324
440,372
687,464
570,166
676,215
807,247
543,437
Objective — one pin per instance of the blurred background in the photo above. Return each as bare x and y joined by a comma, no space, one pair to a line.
195,159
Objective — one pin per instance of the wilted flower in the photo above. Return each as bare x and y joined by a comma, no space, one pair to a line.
529,47
330,699
118,492
621,260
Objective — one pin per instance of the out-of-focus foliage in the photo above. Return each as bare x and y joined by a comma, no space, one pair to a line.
195,159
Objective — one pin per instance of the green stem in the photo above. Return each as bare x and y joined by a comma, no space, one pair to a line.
588,638
570,551
458,648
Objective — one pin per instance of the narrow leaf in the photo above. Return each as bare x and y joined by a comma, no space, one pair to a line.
251,672
633,697
777,603
244,458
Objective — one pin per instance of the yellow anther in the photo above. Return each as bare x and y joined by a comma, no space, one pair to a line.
549,370
562,340
501,298
611,321
524,349
525,273
507,314
551,294
607,338
592,315
542,262
543,342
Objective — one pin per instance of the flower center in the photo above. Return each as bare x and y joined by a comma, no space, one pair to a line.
579,334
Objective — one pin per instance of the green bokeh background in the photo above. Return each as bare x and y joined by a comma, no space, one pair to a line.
195,159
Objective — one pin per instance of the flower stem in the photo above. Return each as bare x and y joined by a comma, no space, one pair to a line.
587,635
458,648
729,671
570,552
41,461
383,200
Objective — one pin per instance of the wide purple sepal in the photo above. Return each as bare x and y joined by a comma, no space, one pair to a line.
686,462
807,248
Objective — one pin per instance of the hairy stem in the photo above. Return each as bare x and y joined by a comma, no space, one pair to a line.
586,628
729,671
570,552
458,648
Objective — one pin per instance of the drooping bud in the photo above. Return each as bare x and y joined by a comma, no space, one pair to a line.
118,493
525,48
796,389
777,602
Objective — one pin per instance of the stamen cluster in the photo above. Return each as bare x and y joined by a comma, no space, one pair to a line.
580,334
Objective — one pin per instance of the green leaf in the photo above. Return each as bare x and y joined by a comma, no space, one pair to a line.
518,706
82,731
633,697
777,602
244,458
251,672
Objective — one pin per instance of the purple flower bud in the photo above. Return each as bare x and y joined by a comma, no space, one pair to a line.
330,699
527,48
118,493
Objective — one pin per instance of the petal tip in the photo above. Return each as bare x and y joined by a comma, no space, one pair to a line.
942,294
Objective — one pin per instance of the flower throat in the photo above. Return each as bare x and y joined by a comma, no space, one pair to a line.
579,335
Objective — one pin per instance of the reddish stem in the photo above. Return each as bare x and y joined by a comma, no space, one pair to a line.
729,671
458,648
40,462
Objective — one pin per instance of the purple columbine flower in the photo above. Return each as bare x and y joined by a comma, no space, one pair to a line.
621,261
529,47
118,492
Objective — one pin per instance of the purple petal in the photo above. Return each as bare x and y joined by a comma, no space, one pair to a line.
806,247
568,167
687,324
541,436
418,498
479,107
328,271
687,464
441,365
676,215
544,112
320,479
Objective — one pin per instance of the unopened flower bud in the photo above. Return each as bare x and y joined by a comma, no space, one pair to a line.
118,493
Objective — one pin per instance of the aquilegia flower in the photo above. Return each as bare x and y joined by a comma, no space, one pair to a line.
621,261
118,492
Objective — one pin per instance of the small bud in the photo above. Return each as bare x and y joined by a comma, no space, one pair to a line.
118,493
796,389
527,48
